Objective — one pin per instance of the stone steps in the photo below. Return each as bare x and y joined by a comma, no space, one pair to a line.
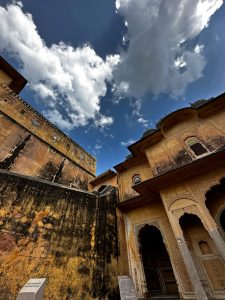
162,297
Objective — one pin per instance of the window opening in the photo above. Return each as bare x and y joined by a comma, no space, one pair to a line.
196,146
205,248
55,137
136,179
36,123
22,112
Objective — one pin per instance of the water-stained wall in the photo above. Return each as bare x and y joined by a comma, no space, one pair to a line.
20,112
68,236
173,150
24,153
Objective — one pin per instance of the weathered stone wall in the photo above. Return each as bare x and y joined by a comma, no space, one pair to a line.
22,114
166,148
172,151
68,236
92,186
153,214
188,197
24,153
140,168
202,247
5,77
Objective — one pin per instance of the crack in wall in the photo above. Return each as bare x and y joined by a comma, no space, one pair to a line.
9,161
58,174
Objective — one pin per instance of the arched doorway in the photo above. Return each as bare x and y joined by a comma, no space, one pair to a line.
222,220
160,279
215,202
205,255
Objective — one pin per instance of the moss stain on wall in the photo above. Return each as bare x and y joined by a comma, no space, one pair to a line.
66,235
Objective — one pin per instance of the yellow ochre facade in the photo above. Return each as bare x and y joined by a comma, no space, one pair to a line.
172,195
159,217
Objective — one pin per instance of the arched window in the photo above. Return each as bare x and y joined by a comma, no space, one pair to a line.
102,187
136,179
196,146
205,248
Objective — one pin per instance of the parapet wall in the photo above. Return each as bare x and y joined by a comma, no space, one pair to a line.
68,236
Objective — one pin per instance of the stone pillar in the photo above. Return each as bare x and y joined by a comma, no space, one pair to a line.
191,269
211,226
218,240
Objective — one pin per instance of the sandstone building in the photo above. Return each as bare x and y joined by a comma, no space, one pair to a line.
159,218
50,225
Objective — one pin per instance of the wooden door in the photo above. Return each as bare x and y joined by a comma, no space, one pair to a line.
156,262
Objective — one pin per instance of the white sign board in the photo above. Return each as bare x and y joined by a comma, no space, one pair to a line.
126,286
32,290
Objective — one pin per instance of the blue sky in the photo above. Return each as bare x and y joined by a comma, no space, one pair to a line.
105,71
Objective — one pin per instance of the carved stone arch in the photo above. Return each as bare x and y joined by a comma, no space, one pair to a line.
215,201
154,223
138,227
193,209
180,198
190,133
152,251
219,182
218,220
203,247
193,212
207,185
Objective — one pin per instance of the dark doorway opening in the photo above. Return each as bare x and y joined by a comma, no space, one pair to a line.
215,202
222,220
158,270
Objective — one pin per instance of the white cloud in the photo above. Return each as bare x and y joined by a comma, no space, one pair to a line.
161,56
143,121
103,121
217,38
109,135
199,48
136,112
127,143
179,62
44,91
98,146
96,149
74,79
136,106
55,117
